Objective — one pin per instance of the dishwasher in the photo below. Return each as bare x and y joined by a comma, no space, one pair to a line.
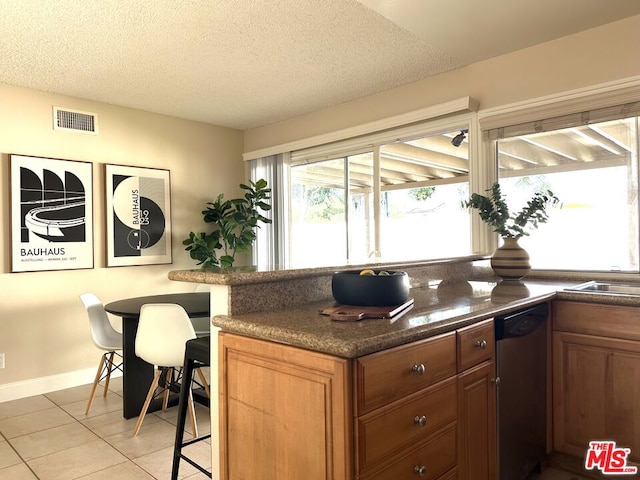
521,370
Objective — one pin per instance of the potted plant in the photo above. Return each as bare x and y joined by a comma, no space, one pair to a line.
510,261
234,223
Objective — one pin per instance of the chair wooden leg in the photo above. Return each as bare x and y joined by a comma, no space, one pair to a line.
108,377
95,385
143,412
192,415
205,384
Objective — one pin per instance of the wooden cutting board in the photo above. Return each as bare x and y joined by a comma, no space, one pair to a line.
352,313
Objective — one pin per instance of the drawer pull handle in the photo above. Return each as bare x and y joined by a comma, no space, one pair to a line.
420,470
482,344
418,369
420,420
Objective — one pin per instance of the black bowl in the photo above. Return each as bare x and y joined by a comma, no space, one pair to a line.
351,288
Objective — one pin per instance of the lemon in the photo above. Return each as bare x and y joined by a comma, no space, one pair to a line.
383,273
367,272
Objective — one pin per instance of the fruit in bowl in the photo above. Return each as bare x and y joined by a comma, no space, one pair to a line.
370,287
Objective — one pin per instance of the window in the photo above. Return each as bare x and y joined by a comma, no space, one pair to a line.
593,168
389,201
322,230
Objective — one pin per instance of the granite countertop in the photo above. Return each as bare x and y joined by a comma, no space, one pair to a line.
250,275
439,307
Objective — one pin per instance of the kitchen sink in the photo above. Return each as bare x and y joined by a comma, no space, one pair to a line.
610,288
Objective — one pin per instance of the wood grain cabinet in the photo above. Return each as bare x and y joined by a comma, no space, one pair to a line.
596,376
405,409
425,410
285,413
476,402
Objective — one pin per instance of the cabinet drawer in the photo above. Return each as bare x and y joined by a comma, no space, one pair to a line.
428,462
390,375
476,343
403,424
615,321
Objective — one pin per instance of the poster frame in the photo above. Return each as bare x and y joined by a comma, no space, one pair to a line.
120,250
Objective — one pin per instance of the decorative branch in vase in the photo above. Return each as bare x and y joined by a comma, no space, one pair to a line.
510,261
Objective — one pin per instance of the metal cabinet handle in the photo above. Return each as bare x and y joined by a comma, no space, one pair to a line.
418,369
482,344
420,470
420,420
496,381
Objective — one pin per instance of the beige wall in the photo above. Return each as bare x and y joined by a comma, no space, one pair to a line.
589,58
43,326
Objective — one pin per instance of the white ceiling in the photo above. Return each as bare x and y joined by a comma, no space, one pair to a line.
247,63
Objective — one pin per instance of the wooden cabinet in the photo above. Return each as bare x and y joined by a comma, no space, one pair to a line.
393,374
405,410
400,426
596,376
476,402
285,413
475,344
423,410
448,384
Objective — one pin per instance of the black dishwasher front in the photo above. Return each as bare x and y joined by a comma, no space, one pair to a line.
521,368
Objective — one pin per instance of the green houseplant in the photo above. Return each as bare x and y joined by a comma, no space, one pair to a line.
493,210
234,222
510,261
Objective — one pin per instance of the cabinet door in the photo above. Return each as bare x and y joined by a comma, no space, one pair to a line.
477,423
596,390
284,412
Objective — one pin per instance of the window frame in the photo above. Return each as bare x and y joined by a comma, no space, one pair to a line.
373,143
618,93
483,167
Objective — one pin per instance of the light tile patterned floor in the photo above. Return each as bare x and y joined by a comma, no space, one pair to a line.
48,437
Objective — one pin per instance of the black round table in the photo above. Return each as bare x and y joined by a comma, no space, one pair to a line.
136,373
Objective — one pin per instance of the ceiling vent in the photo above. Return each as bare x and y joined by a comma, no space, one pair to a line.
75,121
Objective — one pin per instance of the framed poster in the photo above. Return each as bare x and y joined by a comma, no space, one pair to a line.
51,214
138,216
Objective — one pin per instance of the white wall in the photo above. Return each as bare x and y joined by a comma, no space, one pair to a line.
43,327
592,57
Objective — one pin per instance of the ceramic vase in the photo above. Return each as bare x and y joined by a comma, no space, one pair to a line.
510,261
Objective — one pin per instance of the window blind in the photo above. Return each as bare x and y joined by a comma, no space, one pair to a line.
366,143
586,117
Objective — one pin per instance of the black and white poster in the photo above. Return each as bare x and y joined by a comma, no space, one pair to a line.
138,216
51,214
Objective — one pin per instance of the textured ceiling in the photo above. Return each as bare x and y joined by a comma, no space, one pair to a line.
247,63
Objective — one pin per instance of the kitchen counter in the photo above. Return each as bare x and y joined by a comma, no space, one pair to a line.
439,306
283,305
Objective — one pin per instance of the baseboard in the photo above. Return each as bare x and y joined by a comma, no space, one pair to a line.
38,386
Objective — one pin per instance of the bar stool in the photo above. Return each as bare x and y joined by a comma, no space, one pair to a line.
196,355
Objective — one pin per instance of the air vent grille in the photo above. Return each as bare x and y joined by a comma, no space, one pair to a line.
73,120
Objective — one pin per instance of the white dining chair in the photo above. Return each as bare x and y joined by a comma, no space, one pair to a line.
106,338
163,331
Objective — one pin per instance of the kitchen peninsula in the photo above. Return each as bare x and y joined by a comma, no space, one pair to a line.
303,396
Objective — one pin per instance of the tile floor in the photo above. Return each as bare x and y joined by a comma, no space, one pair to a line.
48,437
